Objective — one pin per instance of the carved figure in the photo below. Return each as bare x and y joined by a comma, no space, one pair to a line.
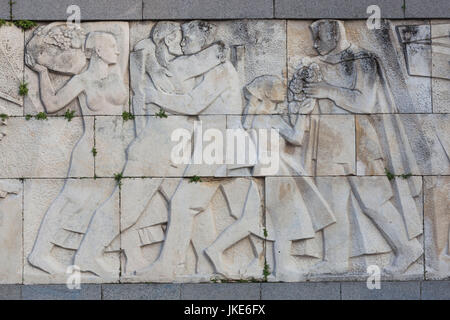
66,49
354,81
295,207
163,76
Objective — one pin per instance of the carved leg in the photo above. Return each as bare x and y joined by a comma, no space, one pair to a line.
40,256
336,237
389,222
189,200
100,234
131,245
231,235
285,268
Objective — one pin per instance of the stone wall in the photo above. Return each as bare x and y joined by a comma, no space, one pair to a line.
358,168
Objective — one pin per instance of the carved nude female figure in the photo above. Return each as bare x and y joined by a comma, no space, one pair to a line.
97,88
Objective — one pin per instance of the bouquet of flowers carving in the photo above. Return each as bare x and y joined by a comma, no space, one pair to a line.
307,72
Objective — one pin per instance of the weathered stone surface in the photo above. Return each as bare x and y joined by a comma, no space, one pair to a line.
430,9
408,290
44,148
299,145
440,30
403,144
11,70
176,230
207,9
435,290
61,292
223,291
437,227
441,96
4,9
90,10
161,143
375,58
141,291
334,227
93,56
301,291
65,224
11,193
217,60
154,196
336,9
10,292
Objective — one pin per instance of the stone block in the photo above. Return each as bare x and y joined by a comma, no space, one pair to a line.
440,32
435,290
52,148
198,245
221,291
210,229
141,291
429,9
403,144
409,290
301,291
4,9
216,60
335,9
11,195
332,228
385,86
166,145
95,88
11,70
206,9
90,10
10,292
61,292
437,227
71,230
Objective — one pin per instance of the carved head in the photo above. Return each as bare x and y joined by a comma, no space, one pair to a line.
59,47
168,33
196,36
103,45
326,35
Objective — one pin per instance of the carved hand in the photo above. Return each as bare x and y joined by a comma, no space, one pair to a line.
318,90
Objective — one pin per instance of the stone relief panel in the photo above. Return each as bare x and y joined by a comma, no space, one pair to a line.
334,227
361,70
157,151
426,53
200,67
63,227
47,148
440,40
403,144
177,230
82,68
11,70
437,227
308,145
11,250
132,197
